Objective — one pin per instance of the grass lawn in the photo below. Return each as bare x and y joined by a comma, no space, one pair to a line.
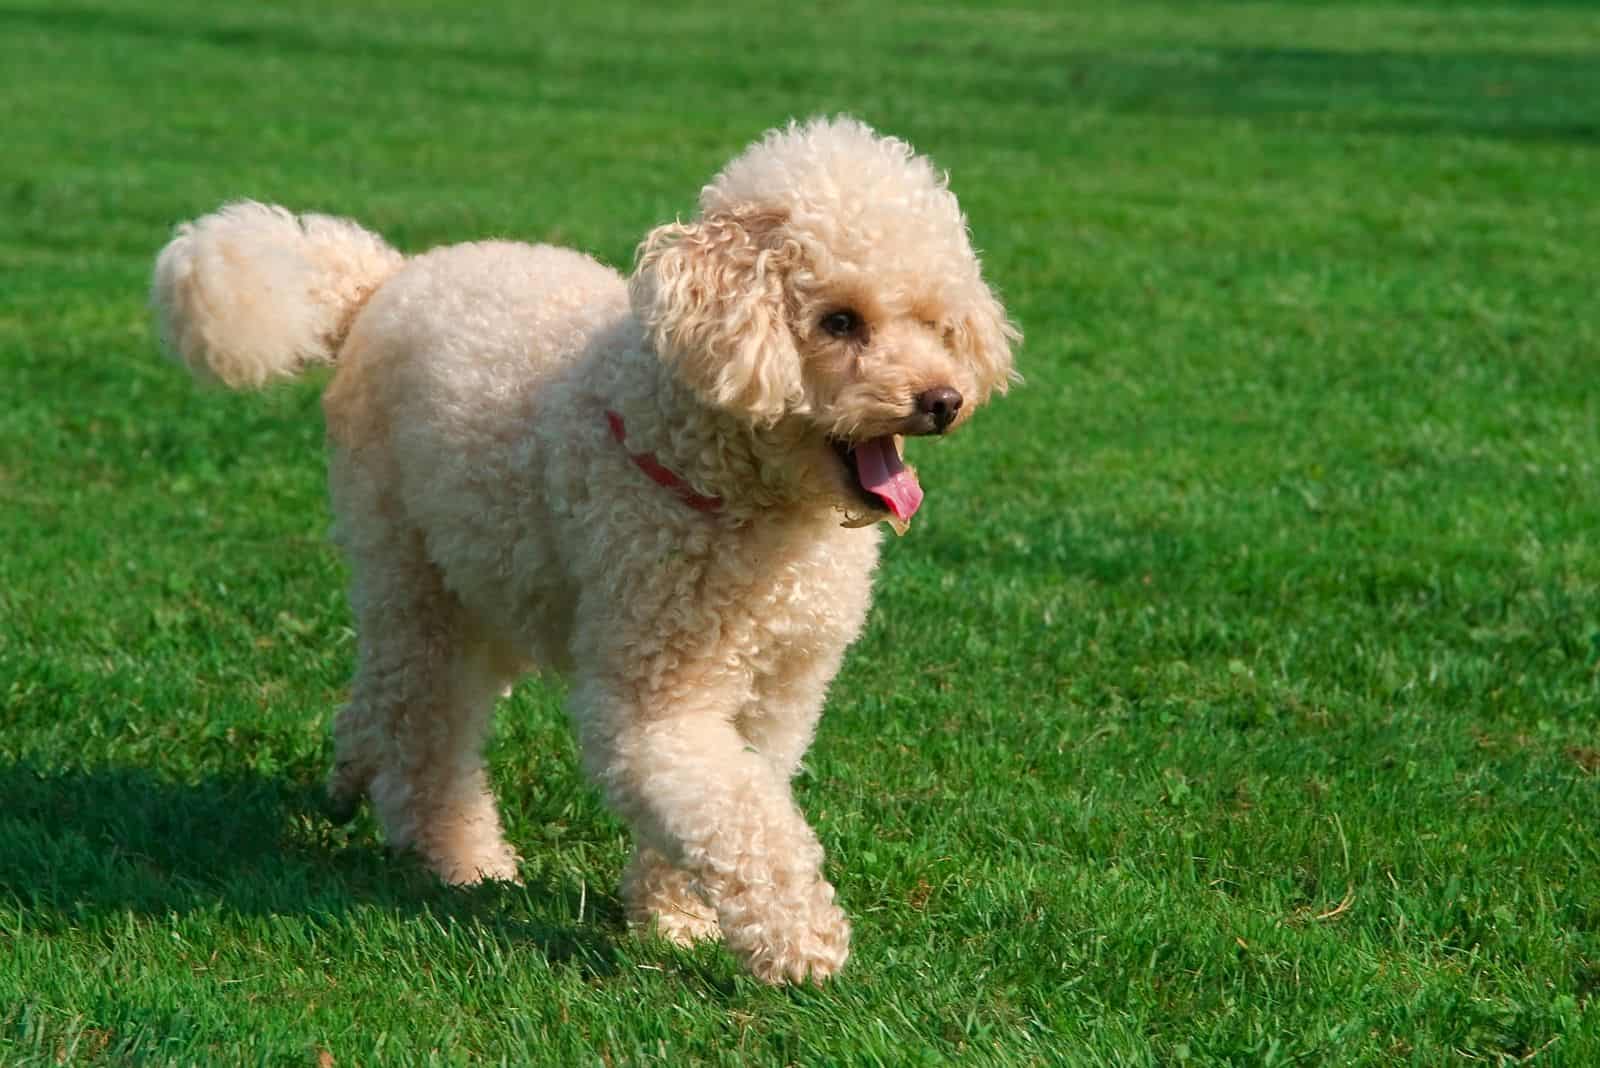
1234,699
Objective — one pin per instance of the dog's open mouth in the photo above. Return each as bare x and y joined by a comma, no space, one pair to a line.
881,478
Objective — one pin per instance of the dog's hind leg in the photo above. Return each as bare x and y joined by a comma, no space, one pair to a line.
356,749
412,735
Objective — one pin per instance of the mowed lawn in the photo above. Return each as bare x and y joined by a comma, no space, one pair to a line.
1233,699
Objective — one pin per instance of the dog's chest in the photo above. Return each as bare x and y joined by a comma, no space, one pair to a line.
807,597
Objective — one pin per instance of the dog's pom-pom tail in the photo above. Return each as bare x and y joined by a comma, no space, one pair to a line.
252,292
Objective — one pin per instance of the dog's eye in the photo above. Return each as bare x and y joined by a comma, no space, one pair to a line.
841,323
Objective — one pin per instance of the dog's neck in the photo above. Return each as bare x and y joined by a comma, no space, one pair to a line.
750,469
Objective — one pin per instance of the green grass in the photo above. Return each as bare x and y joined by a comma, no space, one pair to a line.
1234,700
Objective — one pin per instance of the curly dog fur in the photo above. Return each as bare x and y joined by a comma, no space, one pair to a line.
537,463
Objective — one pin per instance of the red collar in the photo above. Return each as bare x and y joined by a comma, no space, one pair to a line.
647,462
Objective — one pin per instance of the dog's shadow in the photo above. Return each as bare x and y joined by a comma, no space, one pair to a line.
115,840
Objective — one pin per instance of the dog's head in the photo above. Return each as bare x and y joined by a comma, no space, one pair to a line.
829,282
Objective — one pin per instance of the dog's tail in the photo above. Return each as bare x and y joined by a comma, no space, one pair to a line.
252,292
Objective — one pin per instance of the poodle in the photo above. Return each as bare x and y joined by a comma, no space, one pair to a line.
666,486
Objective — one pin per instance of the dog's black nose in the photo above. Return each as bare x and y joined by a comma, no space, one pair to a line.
942,403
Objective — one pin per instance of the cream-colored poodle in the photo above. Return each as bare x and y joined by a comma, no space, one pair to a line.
666,486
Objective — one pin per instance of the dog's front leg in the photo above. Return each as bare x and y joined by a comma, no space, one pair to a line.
692,789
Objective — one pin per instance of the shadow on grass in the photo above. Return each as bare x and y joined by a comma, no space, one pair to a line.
120,839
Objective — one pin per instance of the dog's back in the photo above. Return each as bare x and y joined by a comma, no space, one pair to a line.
444,407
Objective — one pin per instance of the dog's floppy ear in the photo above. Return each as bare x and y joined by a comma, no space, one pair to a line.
711,297
983,336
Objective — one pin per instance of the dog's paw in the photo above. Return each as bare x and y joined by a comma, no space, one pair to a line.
682,923
662,900
497,866
798,941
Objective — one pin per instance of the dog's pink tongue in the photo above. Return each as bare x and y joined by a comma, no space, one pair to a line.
882,474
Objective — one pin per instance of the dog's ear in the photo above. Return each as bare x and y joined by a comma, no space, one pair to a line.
711,297
983,336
